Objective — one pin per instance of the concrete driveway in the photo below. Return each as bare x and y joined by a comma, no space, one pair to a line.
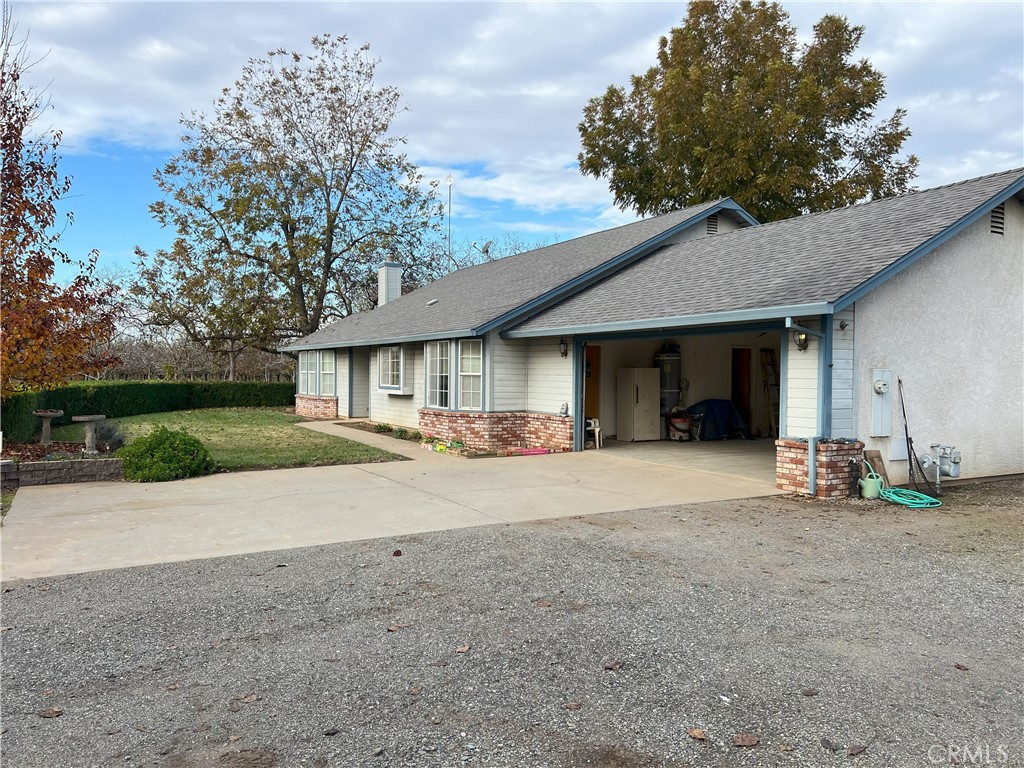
61,529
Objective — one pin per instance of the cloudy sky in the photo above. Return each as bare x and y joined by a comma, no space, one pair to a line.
494,93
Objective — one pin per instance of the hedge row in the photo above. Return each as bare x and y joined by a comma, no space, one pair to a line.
130,398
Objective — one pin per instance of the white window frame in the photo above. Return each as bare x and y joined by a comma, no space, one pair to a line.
470,377
435,387
327,373
301,376
404,384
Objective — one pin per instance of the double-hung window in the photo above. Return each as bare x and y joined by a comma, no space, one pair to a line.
303,378
327,372
470,374
389,366
438,370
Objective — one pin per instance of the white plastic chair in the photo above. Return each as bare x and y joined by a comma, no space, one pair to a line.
594,425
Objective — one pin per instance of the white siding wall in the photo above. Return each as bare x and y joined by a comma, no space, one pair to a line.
950,326
800,382
549,376
842,375
341,380
399,410
361,382
507,373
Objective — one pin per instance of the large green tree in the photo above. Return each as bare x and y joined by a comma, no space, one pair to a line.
737,107
285,199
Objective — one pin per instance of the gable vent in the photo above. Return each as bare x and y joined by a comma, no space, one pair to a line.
713,224
996,219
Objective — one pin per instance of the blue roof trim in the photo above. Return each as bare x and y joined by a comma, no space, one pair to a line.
928,246
659,323
624,259
380,342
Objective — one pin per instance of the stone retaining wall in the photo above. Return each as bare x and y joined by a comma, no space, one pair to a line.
70,471
832,462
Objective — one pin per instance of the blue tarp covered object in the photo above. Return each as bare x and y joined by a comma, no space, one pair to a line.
718,419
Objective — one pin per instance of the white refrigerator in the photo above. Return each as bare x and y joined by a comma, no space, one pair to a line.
637,404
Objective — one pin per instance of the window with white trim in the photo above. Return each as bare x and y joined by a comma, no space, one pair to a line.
389,367
470,374
300,374
438,367
327,372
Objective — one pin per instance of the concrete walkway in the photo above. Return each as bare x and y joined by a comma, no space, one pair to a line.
62,529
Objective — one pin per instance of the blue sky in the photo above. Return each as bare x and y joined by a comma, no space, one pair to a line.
494,93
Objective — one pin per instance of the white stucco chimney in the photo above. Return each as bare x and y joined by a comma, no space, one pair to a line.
389,283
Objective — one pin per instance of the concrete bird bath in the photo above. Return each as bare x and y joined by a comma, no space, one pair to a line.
46,414
90,431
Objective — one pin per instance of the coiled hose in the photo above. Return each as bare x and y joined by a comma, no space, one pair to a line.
902,496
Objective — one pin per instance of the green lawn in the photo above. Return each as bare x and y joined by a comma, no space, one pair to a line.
248,438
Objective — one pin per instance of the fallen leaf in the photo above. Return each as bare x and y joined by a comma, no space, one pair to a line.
4,629
855,750
437,663
961,667
542,603
462,649
235,738
332,660
696,733
379,752
416,691
573,705
170,647
143,728
348,583
320,762
809,691
247,699
396,627
172,687
831,746
746,740
281,565
50,712
785,747
48,691
397,553
201,728
611,666
331,732
113,732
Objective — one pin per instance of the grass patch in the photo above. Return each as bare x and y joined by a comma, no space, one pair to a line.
6,499
249,438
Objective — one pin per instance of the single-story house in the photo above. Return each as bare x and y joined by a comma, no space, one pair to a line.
811,327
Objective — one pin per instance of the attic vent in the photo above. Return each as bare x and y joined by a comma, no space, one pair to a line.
713,224
996,219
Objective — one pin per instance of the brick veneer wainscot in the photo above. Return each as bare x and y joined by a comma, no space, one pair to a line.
495,431
316,407
832,460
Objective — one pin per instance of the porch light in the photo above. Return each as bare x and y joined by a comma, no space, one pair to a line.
802,340
563,347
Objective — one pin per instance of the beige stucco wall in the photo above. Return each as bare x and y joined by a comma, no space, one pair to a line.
952,327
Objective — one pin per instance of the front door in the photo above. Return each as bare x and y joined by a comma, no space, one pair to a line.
592,382
741,383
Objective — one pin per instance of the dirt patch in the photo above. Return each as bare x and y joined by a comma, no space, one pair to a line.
39,452
364,426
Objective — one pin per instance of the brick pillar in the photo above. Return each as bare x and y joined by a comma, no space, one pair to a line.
832,464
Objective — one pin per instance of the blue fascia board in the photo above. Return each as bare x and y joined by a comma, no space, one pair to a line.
670,323
383,342
731,205
928,246
578,283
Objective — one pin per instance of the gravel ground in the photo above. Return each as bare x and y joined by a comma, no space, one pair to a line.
818,628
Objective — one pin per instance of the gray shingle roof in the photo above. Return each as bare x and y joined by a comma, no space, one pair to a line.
814,259
470,298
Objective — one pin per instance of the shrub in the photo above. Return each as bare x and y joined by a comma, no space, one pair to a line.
382,427
401,433
109,435
164,454
415,436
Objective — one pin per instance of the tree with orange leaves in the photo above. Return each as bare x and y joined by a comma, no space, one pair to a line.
49,333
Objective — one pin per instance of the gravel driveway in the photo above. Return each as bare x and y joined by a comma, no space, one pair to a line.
855,634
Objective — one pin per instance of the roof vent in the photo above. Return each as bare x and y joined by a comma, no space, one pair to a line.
996,219
713,224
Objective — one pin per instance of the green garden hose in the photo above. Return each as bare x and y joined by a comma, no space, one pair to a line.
903,497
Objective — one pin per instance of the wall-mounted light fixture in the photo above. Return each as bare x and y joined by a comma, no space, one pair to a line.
843,325
563,347
802,340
